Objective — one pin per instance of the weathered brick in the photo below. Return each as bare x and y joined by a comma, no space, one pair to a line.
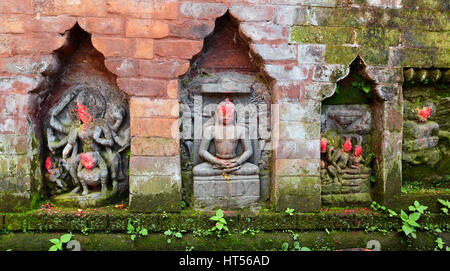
142,86
12,24
147,165
299,193
297,148
144,48
163,69
108,26
143,107
30,64
202,10
304,111
172,89
184,49
13,125
375,37
322,35
144,9
57,24
337,54
154,146
252,13
287,90
123,67
311,53
16,6
330,72
13,104
191,29
298,130
18,44
292,73
18,84
159,127
142,28
95,8
263,31
297,167
114,46
275,51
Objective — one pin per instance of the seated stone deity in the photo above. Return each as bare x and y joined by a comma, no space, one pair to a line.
226,134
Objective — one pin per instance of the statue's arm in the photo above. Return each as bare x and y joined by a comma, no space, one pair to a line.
72,139
107,141
204,144
54,122
246,147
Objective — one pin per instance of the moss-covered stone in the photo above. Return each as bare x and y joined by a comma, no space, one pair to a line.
299,193
321,35
337,54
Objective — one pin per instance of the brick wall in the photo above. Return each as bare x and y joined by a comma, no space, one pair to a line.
304,46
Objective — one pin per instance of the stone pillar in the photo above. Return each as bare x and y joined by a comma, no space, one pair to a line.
388,133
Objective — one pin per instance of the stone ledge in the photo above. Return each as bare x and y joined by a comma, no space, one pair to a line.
262,241
113,220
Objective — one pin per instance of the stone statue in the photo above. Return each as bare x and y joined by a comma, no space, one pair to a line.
89,137
345,177
225,134
225,179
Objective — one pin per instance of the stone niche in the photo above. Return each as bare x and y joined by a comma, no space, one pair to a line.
346,141
426,128
85,126
224,79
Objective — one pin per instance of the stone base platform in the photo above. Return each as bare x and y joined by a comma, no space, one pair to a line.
353,191
228,192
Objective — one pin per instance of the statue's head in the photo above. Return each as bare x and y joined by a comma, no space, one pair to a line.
347,145
225,113
83,114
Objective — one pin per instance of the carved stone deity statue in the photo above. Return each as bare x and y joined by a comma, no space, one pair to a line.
88,135
225,134
345,176
225,179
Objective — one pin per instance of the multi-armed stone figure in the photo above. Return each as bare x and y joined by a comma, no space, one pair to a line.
93,139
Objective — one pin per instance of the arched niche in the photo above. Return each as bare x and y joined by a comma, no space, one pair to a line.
225,69
81,119
347,140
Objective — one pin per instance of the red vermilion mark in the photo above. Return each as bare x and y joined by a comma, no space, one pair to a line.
347,145
48,164
84,115
227,108
425,112
358,151
87,161
323,145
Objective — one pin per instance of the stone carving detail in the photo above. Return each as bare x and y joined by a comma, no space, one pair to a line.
345,176
249,99
219,178
348,118
87,135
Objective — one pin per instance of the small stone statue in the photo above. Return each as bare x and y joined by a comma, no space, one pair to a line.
87,135
225,134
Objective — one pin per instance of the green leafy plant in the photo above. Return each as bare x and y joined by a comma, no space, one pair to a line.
183,204
220,225
410,223
135,229
173,233
440,245
58,243
361,84
289,211
446,203
418,207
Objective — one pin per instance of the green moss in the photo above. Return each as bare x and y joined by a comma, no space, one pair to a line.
323,35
